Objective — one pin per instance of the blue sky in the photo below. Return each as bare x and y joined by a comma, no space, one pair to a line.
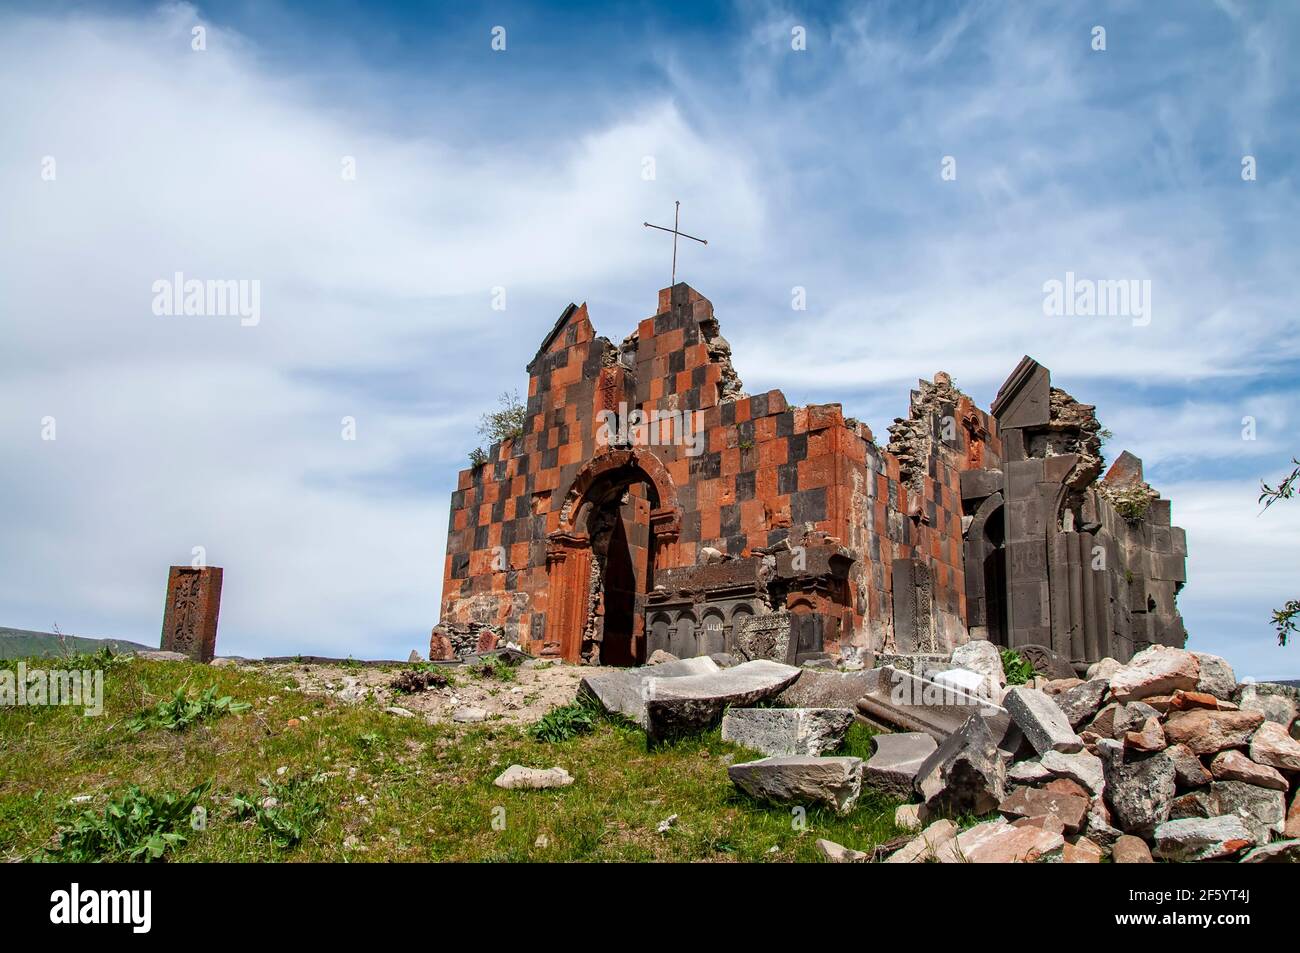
523,169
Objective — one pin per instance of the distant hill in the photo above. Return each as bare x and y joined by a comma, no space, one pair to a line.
20,643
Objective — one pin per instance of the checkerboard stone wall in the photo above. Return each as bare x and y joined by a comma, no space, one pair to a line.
765,470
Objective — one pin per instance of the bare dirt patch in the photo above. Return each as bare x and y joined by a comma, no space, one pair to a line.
534,690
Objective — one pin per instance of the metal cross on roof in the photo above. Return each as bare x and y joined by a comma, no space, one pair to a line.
676,217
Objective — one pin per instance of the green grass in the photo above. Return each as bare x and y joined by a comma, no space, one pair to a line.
403,789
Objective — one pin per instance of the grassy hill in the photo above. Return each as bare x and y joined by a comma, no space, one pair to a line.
21,643
307,777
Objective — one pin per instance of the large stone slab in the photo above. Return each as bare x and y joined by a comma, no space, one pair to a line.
800,779
966,774
1262,810
771,731
518,777
1068,809
821,689
913,703
624,691
1083,701
923,846
692,703
1139,790
1158,670
1202,838
1042,721
1235,766
1209,732
997,842
1273,746
1217,677
897,760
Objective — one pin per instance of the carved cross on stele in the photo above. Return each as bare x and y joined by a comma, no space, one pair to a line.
676,217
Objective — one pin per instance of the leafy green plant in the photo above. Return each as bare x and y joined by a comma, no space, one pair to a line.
1016,667
287,813
506,423
180,711
565,722
138,826
495,667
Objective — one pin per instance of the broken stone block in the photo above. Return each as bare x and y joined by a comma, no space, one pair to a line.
985,658
833,782
1104,668
659,656
965,774
787,730
1066,786
897,759
1047,822
694,703
1188,770
1115,719
1036,802
1044,724
1281,852
624,691
1273,746
1083,767
965,680
1235,766
1217,677
1083,701
1262,810
1098,826
1202,838
907,816
1148,737
997,842
1082,851
1278,709
1187,701
920,704
821,689
518,777
1193,804
1209,732
1158,670
1130,850
839,854
1139,790
923,847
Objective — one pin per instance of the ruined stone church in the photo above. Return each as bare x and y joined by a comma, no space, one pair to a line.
723,521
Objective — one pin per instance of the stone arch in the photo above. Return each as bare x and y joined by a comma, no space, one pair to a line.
577,575
610,470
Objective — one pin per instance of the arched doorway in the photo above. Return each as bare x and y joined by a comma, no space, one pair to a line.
618,514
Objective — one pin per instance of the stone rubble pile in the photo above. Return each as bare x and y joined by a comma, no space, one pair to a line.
1166,757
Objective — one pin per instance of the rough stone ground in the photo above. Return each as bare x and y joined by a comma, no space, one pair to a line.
536,689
